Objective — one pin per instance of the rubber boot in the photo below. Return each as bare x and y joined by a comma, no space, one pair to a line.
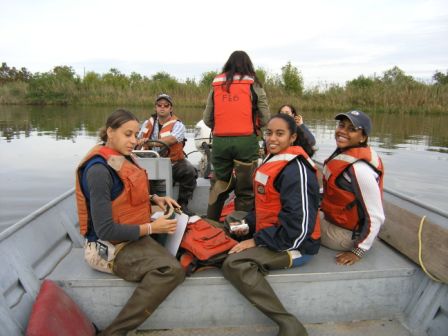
244,192
219,191
155,285
246,275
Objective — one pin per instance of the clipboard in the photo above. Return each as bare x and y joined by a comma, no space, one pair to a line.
173,241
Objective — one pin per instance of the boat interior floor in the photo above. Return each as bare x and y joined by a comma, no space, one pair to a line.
355,328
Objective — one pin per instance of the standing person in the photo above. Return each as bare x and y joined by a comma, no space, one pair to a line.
353,185
236,107
114,214
307,138
284,225
166,127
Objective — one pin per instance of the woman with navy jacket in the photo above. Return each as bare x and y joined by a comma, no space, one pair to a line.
284,228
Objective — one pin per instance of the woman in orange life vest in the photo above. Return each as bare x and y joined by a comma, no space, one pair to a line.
284,227
236,107
353,185
114,206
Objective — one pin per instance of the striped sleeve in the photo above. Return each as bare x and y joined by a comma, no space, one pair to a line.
178,131
298,213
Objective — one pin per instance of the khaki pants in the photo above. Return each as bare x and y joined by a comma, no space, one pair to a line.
335,237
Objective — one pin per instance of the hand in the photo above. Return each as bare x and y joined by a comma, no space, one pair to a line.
238,232
299,119
162,202
244,245
163,225
346,258
140,143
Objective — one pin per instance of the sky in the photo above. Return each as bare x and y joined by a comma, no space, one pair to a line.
328,41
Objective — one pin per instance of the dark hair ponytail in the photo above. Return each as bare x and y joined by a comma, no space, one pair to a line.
115,120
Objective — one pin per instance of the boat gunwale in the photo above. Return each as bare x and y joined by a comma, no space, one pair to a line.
26,220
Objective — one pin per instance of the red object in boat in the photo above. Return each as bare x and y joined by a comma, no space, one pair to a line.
55,313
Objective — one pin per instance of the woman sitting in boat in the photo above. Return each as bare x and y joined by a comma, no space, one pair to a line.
353,185
304,135
114,206
284,228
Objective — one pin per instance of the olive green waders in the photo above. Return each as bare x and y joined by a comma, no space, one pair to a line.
158,273
234,160
246,270
240,182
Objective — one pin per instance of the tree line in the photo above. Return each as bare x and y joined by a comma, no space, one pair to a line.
392,91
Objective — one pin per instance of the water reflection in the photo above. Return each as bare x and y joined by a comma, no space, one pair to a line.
391,131
40,148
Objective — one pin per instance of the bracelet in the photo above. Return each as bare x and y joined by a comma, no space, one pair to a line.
152,197
359,252
149,229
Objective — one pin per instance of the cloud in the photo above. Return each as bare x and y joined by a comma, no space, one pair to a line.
328,41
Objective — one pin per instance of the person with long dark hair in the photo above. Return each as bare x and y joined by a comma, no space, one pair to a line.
353,185
283,230
236,109
304,135
114,210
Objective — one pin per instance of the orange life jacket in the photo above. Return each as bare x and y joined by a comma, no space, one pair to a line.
267,198
232,113
340,206
132,205
177,149
203,245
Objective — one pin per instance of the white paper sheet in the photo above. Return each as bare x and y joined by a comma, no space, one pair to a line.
173,240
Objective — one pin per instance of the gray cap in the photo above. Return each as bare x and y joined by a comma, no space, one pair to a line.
359,119
166,97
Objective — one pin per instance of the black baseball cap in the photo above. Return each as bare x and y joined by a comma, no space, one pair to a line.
359,119
166,97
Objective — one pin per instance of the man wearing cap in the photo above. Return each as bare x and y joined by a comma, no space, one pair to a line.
353,185
166,127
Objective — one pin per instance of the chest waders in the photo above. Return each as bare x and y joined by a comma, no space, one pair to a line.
241,182
246,271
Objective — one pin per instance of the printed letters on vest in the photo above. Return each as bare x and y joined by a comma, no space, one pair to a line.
232,110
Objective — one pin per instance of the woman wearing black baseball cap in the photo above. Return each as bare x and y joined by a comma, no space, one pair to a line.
353,186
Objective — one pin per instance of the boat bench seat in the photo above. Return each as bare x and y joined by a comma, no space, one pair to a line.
377,287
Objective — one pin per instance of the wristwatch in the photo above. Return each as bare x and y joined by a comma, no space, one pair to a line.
359,252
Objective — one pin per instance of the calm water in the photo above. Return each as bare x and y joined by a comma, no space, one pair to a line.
41,147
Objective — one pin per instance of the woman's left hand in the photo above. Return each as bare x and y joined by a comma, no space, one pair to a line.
162,202
244,245
346,258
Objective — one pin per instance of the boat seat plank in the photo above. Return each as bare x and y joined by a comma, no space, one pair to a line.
380,262
313,291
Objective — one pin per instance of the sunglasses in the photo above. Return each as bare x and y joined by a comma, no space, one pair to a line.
163,105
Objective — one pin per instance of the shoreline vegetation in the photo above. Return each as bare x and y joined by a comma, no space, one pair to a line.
392,92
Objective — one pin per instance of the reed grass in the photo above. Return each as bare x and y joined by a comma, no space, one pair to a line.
388,98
